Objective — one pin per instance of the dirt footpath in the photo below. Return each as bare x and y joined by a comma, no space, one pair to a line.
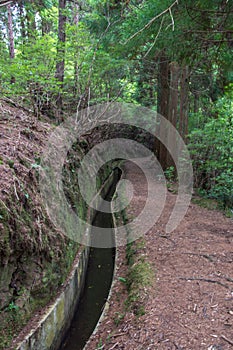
190,305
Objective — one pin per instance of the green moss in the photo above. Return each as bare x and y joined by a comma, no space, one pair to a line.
4,212
212,204
55,252
140,276
5,248
207,203
12,321
11,163
119,316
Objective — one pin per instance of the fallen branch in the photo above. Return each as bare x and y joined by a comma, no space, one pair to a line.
203,280
206,256
168,238
186,326
113,347
118,335
16,194
177,346
5,205
226,339
229,279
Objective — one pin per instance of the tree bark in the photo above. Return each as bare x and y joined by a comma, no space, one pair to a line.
46,25
173,107
31,21
76,14
10,33
196,102
60,66
22,22
11,37
184,89
163,103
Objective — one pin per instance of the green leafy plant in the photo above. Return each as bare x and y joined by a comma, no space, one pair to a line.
12,307
122,279
211,149
119,316
170,173
100,345
11,163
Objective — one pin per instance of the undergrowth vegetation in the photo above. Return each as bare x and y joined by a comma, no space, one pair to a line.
140,276
211,149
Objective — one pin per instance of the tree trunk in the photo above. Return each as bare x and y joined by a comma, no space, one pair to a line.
163,103
11,37
184,89
60,66
46,25
173,107
31,21
22,22
76,13
10,33
196,102
173,102
76,72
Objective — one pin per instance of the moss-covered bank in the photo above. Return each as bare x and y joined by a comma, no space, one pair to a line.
35,257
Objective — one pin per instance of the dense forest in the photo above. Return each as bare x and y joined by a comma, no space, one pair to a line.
58,57
173,57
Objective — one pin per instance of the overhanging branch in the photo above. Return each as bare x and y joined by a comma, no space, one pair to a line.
5,2
169,9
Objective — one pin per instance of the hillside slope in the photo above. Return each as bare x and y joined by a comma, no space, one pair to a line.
34,257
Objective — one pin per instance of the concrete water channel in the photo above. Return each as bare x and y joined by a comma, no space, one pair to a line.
97,284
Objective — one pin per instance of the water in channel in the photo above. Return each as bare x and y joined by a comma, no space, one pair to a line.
97,285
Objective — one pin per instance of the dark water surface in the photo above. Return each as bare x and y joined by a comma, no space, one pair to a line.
97,285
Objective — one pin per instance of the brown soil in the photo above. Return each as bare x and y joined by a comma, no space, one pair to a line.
190,305
32,251
22,137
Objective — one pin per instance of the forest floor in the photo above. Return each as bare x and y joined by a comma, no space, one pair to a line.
189,303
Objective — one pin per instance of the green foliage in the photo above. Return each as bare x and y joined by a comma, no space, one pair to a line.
140,276
118,318
122,279
212,153
12,307
205,202
10,162
33,71
100,345
170,173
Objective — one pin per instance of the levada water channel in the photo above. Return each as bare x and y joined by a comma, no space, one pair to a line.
97,284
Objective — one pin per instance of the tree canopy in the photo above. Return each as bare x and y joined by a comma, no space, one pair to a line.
172,56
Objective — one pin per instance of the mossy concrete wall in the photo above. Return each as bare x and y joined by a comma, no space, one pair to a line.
53,325
50,330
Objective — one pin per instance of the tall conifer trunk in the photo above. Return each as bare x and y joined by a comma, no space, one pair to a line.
173,107
10,36
163,104
60,66
184,89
